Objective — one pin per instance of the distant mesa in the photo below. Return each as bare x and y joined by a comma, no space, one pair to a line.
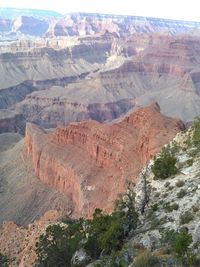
78,24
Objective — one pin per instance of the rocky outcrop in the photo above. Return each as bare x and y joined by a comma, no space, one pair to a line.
49,111
91,162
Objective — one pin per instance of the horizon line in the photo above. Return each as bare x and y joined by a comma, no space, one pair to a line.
99,13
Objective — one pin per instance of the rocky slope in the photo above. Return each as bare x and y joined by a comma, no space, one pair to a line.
23,197
177,197
18,243
113,154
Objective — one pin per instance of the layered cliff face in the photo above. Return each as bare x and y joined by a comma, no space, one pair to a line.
49,109
33,22
91,162
79,83
47,63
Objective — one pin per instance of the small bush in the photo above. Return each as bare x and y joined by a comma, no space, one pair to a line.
171,188
145,259
175,148
182,243
190,162
186,217
167,184
165,165
180,183
170,208
4,261
154,207
157,194
181,193
196,132
195,208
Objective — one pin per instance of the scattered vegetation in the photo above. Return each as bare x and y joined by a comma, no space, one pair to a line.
195,208
190,162
4,261
170,208
177,244
154,207
104,237
167,184
186,217
181,193
196,133
145,259
165,165
102,234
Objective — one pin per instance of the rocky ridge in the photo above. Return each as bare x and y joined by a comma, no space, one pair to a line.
173,203
108,152
41,23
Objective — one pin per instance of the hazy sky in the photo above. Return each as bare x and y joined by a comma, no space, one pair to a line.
175,9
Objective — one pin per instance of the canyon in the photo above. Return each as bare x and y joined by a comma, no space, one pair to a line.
86,101
69,81
113,155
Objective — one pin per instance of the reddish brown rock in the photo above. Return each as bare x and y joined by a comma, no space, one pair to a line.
19,243
91,162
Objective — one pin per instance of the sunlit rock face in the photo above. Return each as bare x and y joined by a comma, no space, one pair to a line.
91,162
40,23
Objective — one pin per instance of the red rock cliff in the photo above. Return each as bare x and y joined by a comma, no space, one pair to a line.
91,162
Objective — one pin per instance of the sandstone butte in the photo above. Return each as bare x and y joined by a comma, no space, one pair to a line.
91,162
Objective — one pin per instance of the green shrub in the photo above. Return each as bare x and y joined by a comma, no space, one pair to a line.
168,238
175,148
186,217
190,162
170,208
167,184
165,165
157,194
182,243
165,195
178,244
196,132
58,244
4,261
180,183
181,193
103,233
154,207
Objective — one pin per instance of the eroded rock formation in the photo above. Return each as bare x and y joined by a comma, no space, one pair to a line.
91,162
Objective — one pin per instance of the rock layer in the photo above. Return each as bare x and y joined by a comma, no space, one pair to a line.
92,162
33,22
